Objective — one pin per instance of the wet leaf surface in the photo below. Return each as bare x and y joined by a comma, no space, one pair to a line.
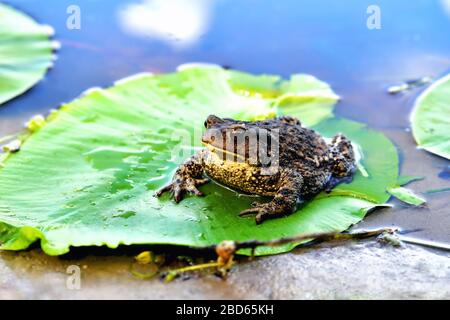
87,177
25,52
430,118
406,195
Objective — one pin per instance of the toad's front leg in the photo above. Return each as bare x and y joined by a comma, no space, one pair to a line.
186,179
285,200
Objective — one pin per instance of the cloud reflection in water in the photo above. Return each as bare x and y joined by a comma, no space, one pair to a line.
180,23
446,5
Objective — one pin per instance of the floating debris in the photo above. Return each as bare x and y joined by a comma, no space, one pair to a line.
410,84
146,265
388,238
35,123
12,146
144,257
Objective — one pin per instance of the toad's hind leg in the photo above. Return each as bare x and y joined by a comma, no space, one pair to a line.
334,181
342,156
186,179
284,202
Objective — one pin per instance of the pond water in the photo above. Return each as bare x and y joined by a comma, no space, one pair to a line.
321,37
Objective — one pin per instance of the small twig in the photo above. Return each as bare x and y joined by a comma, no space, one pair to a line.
226,249
426,243
174,273
324,236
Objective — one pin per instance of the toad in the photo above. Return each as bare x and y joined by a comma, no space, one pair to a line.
276,157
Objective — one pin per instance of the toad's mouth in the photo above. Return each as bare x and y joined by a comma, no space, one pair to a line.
221,151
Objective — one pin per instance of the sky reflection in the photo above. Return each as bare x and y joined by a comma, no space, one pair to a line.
180,23
446,6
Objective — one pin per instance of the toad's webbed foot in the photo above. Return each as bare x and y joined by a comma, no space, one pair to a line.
285,201
186,179
278,207
263,212
181,185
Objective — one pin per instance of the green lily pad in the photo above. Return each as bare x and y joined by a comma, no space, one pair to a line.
430,118
88,175
406,195
303,96
25,52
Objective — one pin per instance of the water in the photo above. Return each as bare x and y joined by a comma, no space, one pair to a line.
321,37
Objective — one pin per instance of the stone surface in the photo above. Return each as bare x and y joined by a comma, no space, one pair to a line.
351,270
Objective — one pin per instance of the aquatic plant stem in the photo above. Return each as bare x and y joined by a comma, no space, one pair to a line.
226,249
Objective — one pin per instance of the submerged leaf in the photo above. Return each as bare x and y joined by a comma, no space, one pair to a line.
25,52
88,176
438,190
430,118
404,180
